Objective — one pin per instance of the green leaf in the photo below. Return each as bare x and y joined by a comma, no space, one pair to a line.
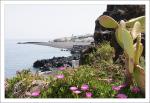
141,19
108,22
136,30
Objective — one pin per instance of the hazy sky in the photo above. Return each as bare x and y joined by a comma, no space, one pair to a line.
39,21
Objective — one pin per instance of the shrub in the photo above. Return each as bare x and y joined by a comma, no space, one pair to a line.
98,77
103,52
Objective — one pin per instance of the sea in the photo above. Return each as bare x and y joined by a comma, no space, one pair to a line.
22,56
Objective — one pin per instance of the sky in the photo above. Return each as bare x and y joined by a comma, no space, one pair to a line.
49,21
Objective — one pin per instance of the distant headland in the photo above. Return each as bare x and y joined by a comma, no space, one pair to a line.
66,42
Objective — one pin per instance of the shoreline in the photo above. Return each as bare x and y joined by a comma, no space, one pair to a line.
62,45
75,48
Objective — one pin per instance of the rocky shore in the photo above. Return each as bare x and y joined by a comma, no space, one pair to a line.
55,62
75,45
47,64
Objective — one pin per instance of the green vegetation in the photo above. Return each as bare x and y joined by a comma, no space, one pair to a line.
102,53
101,78
126,33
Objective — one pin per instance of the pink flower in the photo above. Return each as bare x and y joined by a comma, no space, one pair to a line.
84,87
117,88
135,90
73,88
89,94
76,91
35,93
60,76
121,96
61,68
122,85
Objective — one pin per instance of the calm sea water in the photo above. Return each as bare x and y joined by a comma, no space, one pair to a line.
22,56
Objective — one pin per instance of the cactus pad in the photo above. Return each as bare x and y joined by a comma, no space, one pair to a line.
108,22
141,19
128,47
136,30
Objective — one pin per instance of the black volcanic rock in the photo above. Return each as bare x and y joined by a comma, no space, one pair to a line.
46,64
54,62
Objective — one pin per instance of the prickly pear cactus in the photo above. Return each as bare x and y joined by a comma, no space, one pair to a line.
139,77
131,23
138,48
108,22
136,30
125,33
118,33
128,48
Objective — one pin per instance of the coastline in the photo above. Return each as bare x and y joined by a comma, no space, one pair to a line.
19,57
55,62
98,69
63,45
